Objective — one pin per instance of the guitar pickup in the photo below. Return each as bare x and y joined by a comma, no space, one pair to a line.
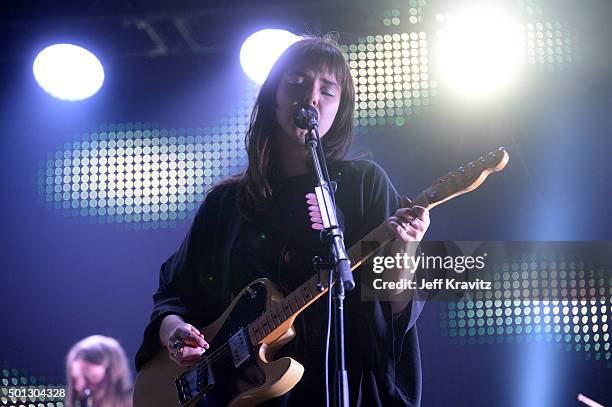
239,347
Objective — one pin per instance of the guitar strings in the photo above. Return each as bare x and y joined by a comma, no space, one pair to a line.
422,195
217,354
220,352
214,357
223,349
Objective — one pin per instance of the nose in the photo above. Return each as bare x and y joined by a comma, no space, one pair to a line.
312,96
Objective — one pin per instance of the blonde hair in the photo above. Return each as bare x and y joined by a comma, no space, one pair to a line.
106,351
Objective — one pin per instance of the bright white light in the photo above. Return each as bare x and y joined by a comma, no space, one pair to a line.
68,72
479,51
259,52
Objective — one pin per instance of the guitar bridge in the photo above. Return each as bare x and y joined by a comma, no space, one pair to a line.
194,382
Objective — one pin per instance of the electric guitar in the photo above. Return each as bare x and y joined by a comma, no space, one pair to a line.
239,368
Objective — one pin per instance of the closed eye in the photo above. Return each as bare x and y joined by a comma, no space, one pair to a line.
295,80
329,92
301,81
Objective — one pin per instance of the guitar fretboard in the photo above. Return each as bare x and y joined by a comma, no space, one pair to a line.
465,179
262,329
288,308
363,249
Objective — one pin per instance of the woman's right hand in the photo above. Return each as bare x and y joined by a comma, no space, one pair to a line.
184,342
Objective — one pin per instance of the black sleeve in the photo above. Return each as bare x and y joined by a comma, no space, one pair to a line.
179,290
381,200
379,196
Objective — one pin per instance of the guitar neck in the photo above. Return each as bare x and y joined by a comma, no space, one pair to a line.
361,251
266,328
276,321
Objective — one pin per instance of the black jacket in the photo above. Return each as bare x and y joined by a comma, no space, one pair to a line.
195,283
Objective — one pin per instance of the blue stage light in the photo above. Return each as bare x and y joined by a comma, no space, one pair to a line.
259,52
68,72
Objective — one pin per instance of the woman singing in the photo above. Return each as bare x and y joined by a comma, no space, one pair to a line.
264,222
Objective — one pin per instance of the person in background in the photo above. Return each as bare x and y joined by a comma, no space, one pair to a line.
97,374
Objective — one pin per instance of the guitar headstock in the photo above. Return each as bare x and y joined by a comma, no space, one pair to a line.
464,179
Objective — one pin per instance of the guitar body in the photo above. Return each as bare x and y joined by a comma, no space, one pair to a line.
239,367
220,382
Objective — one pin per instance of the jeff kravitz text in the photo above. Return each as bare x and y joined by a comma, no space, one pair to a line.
453,265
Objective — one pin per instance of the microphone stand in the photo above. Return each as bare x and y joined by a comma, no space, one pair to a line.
340,264
87,401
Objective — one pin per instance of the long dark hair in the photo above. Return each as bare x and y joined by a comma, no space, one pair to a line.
254,184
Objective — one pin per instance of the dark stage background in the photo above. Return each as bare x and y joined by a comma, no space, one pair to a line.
68,276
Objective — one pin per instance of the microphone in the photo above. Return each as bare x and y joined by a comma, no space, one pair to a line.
87,399
306,117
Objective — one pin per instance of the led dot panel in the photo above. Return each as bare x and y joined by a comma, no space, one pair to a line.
415,10
506,315
143,176
135,174
391,18
11,377
549,46
154,177
582,327
391,74
531,6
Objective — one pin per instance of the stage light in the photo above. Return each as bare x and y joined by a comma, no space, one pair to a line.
549,46
478,51
259,52
135,175
574,325
68,72
391,76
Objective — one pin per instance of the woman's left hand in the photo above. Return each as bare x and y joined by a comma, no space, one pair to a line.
409,223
